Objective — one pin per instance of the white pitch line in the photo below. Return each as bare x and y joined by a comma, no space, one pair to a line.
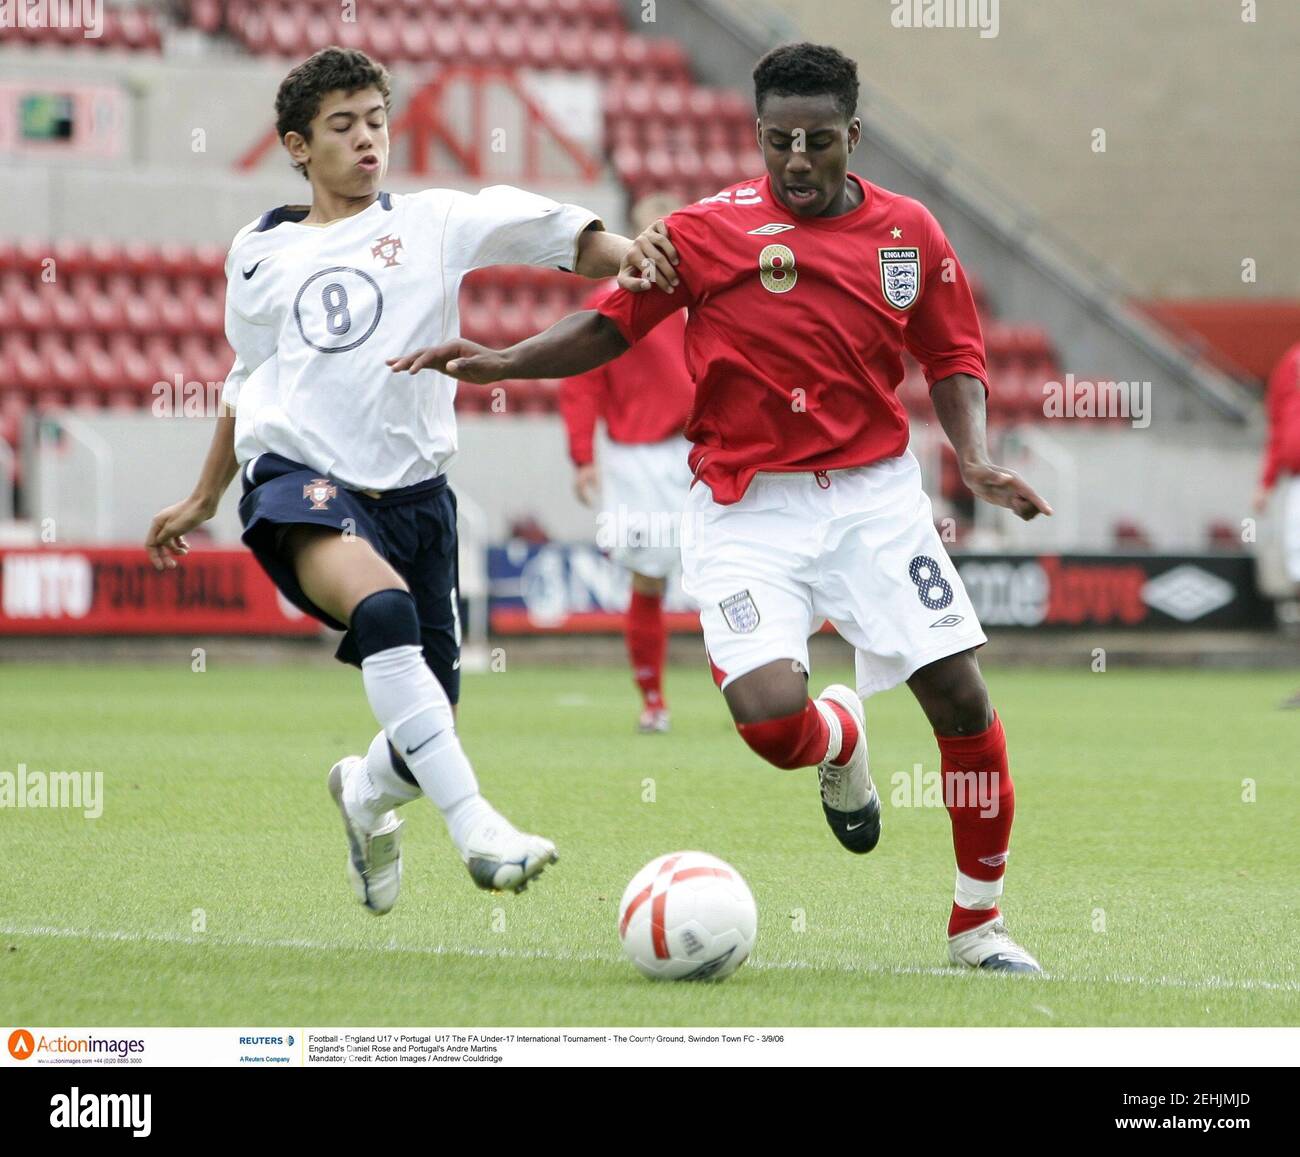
1209,983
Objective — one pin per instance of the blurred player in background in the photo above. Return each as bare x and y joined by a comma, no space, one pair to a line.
345,499
804,289
1282,461
645,399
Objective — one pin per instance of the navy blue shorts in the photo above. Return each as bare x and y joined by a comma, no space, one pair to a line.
413,529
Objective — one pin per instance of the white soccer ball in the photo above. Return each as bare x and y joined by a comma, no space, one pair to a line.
687,916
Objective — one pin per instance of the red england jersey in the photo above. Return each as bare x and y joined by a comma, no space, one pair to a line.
1283,450
797,328
644,395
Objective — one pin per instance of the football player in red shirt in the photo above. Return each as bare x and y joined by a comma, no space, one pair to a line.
1282,461
644,398
804,288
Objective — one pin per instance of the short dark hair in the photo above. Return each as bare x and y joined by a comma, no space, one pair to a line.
807,70
299,98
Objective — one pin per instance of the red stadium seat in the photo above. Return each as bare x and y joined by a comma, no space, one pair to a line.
415,44
286,30
30,369
702,103
103,257
384,38
99,369
138,257
32,310
134,367
669,59
102,304
67,311
69,256
63,371
206,15
445,40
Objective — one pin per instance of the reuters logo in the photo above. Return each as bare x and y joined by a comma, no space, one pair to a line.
21,1045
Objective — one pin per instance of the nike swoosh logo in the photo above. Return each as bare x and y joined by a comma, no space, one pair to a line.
413,750
249,272
854,827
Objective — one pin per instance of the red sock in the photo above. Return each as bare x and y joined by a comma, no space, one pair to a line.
848,732
981,802
798,740
646,643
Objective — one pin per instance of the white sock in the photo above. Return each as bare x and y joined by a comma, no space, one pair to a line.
374,788
464,817
415,714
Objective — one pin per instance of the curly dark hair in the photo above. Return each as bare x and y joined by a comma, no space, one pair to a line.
299,98
807,70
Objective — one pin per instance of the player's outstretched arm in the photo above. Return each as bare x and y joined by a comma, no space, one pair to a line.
959,404
166,539
573,345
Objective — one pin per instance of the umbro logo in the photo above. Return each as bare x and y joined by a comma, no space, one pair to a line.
770,228
947,621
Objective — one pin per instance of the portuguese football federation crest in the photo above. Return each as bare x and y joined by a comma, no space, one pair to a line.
900,276
319,491
387,248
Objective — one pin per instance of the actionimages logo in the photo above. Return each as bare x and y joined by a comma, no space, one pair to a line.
24,1046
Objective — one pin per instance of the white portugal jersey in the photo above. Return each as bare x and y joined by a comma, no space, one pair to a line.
313,312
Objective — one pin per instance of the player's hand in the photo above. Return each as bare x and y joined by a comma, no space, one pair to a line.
467,361
586,484
166,539
1003,487
649,261
1260,503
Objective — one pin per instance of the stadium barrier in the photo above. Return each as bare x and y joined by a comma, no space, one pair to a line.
63,590
557,588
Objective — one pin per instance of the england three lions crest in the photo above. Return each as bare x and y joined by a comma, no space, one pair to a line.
900,276
740,613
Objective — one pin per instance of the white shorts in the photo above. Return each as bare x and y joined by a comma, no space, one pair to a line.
643,489
857,548
1291,527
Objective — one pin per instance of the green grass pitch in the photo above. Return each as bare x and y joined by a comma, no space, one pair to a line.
1155,883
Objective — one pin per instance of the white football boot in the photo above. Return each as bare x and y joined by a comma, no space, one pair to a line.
501,858
654,721
374,857
849,798
989,947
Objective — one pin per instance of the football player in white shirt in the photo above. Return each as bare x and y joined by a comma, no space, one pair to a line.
343,463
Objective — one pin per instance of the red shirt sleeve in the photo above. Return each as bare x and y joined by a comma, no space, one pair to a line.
583,396
943,333
1282,379
636,314
582,401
